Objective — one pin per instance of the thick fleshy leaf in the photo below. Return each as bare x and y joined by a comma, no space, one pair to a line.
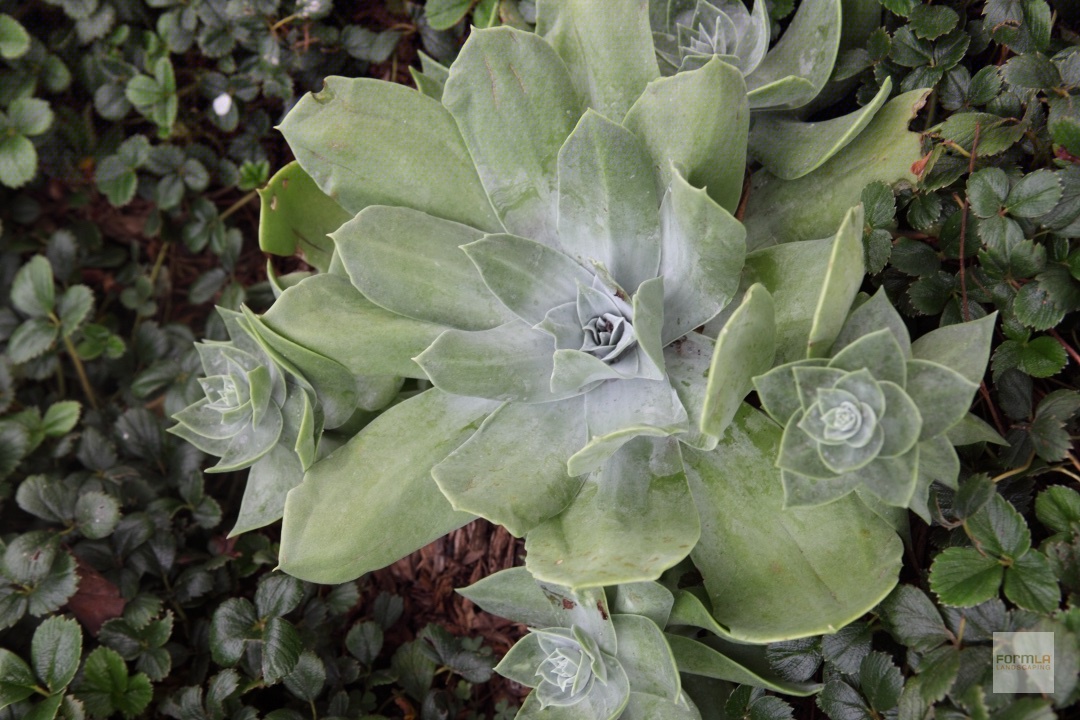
687,361
964,347
901,421
368,339
806,50
689,610
513,100
620,410
419,162
874,314
632,520
576,371
412,264
514,594
755,556
649,315
603,701
877,351
334,385
645,656
802,491
643,706
269,481
778,389
703,251
744,348
715,660
697,122
608,204
844,275
512,471
809,379
297,217
528,277
893,479
939,462
510,362
942,395
648,599
777,211
373,501
812,284
607,47
799,453
790,148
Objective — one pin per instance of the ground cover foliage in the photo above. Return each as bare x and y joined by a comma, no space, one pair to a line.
120,595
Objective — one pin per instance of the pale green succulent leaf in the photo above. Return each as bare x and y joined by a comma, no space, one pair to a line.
803,491
843,276
939,462
942,395
877,351
528,277
645,656
421,163
778,389
269,481
864,386
649,314
777,211
608,201
811,378
207,424
694,657
373,500
514,594
261,386
332,382
607,47
848,458
676,118
431,78
297,217
873,315
369,339
687,362
511,362
781,553
648,599
973,429
643,706
690,611
251,443
618,411
807,50
576,371
745,347
789,91
790,148
964,347
892,479
513,99
512,471
633,519
411,264
901,420
704,248
603,702
522,659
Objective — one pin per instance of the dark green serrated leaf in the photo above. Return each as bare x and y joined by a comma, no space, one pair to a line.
973,495
307,678
932,21
846,649
281,648
937,672
795,660
1036,308
1031,583
998,529
364,642
1034,194
56,652
278,595
963,577
840,701
880,681
1058,508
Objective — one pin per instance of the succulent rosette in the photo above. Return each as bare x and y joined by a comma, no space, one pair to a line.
546,279
586,659
874,416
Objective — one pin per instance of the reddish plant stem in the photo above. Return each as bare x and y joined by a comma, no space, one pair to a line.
1068,348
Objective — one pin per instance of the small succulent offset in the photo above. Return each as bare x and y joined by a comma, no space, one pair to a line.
688,33
874,417
584,658
257,412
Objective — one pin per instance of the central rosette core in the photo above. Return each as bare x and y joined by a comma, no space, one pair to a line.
606,323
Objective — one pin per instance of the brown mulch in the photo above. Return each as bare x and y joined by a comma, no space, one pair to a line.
426,580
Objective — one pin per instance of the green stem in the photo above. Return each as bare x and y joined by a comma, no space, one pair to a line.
81,372
237,205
